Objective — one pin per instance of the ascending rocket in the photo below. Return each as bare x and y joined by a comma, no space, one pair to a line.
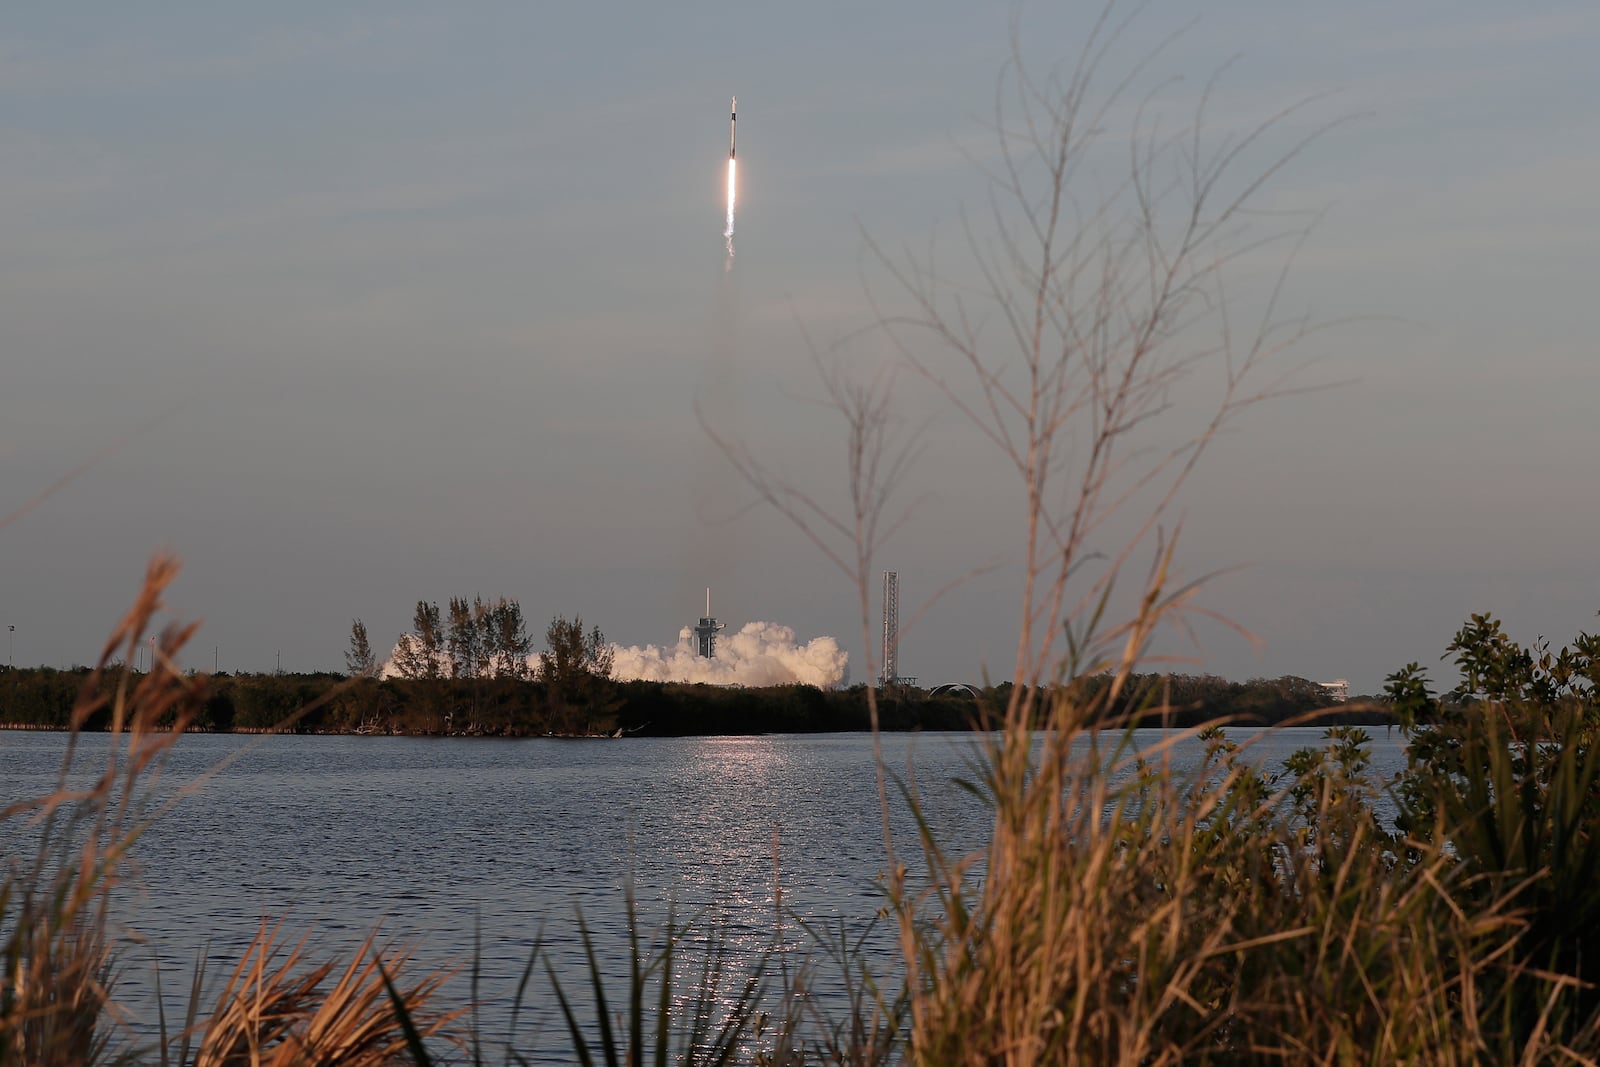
733,164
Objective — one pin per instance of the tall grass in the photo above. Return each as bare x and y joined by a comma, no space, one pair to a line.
1133,914
54,908
57,1004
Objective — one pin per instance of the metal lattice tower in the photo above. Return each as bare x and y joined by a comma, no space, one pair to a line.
705,632
891,627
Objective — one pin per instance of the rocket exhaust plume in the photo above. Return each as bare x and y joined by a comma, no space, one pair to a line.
758,654
733,168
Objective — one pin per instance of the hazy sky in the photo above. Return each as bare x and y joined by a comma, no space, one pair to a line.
373,302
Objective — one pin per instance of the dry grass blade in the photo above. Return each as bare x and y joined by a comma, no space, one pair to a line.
261,1003
54,909
275,1010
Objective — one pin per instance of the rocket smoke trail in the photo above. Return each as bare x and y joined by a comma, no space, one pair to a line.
733,168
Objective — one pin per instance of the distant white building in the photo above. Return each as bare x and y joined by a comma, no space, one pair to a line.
1338,689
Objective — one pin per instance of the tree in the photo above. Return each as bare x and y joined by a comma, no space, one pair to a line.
359,658
465,640
430,636
505,638
575,668
571,655
408,660
1506,769
598,654
420,654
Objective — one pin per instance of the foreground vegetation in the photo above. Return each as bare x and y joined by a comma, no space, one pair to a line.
1128,911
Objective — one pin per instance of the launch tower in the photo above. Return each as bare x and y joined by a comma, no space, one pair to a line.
705,632
891,627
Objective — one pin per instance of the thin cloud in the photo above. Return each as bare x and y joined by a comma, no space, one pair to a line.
1524,30
27,65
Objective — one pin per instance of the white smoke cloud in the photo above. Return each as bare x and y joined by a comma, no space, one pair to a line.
762,653
759,654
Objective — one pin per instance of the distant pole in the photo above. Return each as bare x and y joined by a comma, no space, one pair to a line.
11,647
216,657
280,661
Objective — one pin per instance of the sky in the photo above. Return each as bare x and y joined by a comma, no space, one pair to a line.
354,305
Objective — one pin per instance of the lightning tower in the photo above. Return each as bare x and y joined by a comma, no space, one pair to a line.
891,627
705,632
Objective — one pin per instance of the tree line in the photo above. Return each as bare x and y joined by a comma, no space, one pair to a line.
1188,700
571,694
497,707
471,670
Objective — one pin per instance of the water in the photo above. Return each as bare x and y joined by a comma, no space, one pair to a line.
441,841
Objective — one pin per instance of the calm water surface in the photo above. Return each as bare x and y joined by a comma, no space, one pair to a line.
444,840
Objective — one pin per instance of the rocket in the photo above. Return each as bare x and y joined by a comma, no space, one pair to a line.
733,124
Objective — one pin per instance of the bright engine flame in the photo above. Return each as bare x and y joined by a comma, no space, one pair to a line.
733,166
